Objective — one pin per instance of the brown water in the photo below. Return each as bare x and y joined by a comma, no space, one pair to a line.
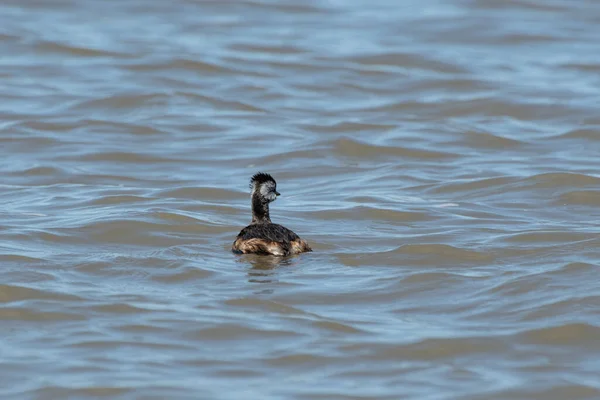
441,157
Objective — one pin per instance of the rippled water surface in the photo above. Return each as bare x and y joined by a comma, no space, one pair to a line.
441,157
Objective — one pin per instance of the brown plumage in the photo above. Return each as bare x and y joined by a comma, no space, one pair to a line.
262,236
266,247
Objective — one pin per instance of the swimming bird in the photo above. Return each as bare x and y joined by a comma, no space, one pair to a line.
262,236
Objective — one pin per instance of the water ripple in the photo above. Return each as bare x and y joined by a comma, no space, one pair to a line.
440,159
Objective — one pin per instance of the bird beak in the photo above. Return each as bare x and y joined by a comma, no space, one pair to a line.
277,193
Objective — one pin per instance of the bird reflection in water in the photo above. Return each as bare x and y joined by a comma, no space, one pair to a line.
265,269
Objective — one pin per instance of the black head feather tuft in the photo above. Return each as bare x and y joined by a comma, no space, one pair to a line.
260,178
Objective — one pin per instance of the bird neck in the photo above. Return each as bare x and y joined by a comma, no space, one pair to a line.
260,210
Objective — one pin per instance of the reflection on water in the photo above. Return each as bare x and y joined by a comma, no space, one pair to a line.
441,157
263,269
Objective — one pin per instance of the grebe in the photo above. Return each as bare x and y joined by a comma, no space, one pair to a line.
262,236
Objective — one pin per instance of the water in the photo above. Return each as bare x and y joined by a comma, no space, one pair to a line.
441,157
